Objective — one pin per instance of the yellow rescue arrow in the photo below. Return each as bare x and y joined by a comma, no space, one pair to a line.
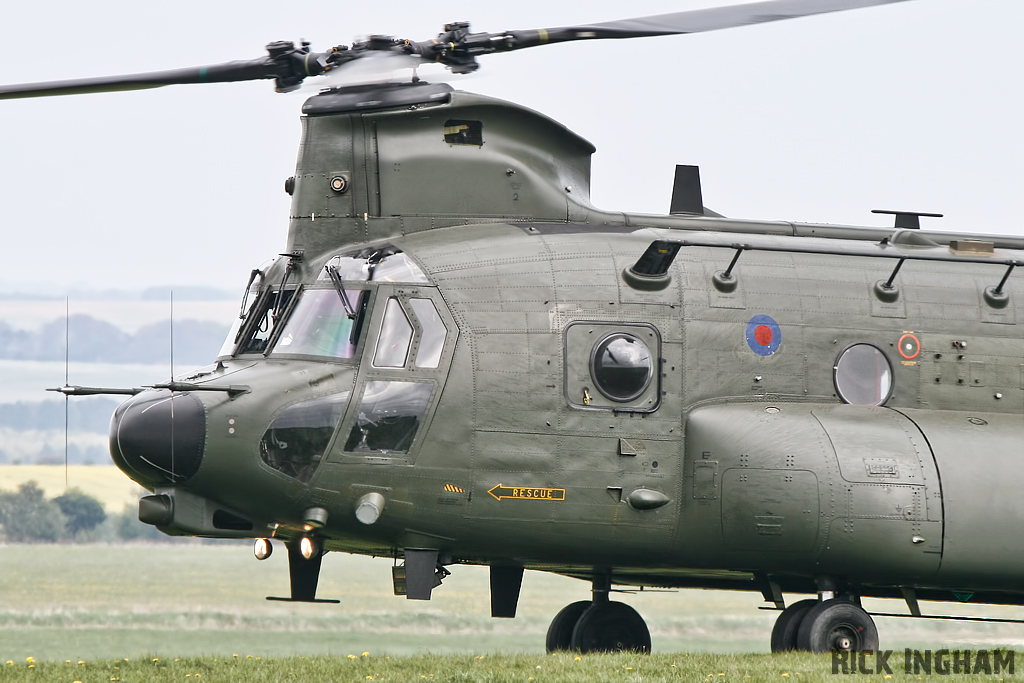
526,493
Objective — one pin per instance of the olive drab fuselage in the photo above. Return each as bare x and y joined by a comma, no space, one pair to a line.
455,352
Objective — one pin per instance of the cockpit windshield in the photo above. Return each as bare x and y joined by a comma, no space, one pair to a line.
319,325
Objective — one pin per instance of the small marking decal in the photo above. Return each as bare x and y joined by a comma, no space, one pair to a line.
763,335
909,346
452,488
501,492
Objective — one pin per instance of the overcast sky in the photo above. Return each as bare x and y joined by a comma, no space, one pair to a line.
914,106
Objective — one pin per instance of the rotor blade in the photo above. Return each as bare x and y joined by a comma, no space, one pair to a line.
250,70
692,21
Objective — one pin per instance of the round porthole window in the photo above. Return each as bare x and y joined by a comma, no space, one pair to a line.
863,375
621,366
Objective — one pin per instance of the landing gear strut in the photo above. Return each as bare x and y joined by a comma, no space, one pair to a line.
599,625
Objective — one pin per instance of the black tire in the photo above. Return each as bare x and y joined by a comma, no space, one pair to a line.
837,625
559,637
787,626
611,627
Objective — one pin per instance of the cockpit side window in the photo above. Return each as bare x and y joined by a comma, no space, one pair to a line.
263,320
394,339
319,325
433,334
252,291
389,416
297,439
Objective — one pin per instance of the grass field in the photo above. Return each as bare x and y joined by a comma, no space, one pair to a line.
100,602
567,668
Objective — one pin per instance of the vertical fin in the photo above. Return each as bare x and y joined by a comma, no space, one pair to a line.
686,193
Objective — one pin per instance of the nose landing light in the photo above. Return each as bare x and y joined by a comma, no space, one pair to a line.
262,548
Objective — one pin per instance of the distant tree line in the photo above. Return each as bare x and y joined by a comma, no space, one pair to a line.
181,293
27,516
85,414
196,342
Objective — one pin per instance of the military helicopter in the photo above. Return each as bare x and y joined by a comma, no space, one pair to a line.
459,360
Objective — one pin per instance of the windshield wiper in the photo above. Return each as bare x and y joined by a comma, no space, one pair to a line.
332,272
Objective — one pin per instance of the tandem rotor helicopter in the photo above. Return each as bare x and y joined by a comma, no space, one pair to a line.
458,359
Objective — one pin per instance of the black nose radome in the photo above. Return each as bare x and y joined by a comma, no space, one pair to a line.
160,436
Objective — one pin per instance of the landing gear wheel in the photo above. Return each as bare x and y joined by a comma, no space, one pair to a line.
788,624
837,625
611,627
560,631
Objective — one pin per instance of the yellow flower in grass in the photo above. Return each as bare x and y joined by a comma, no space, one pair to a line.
366,654
352,657
29,660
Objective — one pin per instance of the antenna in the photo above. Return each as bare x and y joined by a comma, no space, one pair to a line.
67,362
171,381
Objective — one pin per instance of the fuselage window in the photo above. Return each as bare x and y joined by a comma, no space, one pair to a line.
296,440
389,416
263,319
621,366
863,375
428,355
321,326
395,337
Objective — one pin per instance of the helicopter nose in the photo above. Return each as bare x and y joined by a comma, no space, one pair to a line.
160,435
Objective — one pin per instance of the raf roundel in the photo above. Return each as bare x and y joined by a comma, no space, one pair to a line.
909,346
763,335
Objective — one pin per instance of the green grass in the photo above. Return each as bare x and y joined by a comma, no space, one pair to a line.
569,668
99,602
